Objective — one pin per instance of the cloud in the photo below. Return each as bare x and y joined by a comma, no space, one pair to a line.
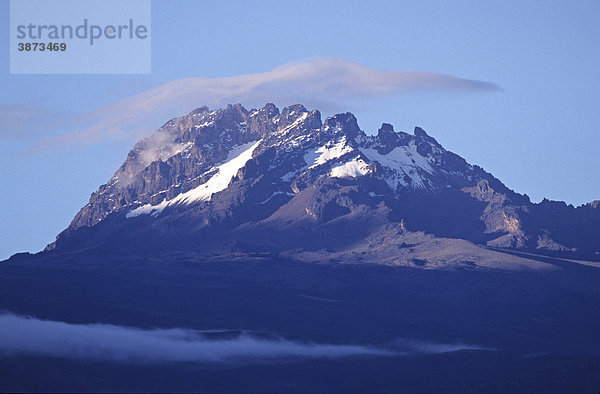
324,83
28,336
22,121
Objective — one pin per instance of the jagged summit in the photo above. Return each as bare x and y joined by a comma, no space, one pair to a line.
270,172
181,154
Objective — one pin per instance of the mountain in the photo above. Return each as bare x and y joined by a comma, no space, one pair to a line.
242,251
234,180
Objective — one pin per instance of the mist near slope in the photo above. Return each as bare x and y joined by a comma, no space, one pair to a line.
103,342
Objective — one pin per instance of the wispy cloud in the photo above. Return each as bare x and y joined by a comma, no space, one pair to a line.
30,336
22,121
325,83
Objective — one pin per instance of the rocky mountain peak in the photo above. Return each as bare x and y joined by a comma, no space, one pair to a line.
233,166
594,204
186,151
389,139
419,132
200,111
345,123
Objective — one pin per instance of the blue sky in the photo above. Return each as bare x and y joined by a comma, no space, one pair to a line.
537,133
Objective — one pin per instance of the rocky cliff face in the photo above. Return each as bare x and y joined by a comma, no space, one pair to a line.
290,178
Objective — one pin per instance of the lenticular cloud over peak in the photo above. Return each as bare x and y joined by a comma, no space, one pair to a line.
319,82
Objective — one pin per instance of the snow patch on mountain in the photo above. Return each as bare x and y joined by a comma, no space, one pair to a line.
147,209
351,169
236,159
403,164
295,124
330,151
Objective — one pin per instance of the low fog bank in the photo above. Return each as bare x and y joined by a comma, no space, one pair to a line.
30,336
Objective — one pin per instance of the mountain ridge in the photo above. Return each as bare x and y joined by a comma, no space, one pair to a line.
218,171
